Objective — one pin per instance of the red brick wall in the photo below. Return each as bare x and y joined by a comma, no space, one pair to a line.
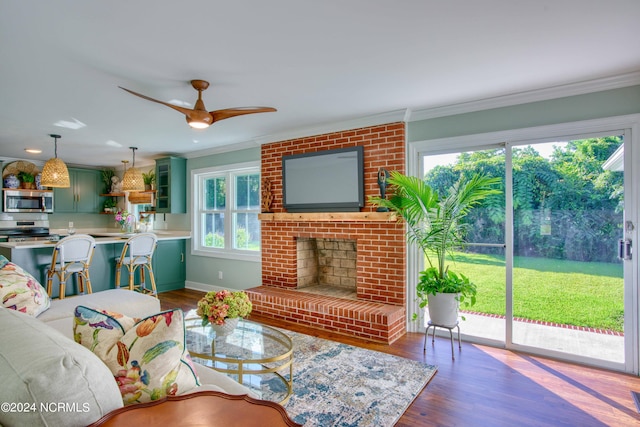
383,148
380,245
380,258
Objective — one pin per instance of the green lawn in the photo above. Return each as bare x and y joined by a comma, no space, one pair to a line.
550,290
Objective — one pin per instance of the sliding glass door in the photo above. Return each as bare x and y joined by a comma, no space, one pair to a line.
548,254
568,219
483,258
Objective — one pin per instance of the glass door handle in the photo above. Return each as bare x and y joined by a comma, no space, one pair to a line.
624,249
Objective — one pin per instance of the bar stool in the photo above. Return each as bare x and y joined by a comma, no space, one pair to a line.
71,255
433,335
136,254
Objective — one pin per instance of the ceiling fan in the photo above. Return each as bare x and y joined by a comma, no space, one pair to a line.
199,117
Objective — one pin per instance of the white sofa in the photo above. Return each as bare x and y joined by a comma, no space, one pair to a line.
50,380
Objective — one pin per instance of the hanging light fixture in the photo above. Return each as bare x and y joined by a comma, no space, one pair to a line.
55,172
132,179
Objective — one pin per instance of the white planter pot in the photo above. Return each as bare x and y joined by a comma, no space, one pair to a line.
443,309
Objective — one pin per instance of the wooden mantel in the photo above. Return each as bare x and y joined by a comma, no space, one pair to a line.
328,216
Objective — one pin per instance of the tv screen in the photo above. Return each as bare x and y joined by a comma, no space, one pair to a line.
324,181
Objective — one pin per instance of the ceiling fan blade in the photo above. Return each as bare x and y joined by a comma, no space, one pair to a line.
183,110
240,111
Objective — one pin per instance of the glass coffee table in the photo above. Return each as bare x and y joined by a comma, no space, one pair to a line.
255,355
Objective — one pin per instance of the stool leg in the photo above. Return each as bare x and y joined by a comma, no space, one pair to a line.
451,337
49,282
62,287
88,282
459,345
118,273
132,273
143,285
152,279
426,334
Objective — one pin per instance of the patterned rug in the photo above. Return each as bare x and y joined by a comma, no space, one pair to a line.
336,384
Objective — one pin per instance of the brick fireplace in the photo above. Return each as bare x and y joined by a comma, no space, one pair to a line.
326,262
378,261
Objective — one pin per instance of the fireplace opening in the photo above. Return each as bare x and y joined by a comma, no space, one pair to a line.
327,266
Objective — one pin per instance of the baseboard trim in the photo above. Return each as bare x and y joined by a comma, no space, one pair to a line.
205,287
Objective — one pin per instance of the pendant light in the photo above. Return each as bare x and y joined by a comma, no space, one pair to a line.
55,172
132,179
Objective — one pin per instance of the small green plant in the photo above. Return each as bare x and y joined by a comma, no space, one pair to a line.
107,174
430,282
110,203
26,177
149,177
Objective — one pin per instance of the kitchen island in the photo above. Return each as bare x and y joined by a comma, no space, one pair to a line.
168,261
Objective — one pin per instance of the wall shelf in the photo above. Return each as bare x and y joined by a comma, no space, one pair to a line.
329,216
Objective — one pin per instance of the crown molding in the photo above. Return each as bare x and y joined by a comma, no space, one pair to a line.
361,122
236,146
553,92
377,119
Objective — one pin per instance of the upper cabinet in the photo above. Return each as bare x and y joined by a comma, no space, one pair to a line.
171,185
83,194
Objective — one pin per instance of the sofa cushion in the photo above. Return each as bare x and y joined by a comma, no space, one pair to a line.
43,369
132,304
20,291
148,357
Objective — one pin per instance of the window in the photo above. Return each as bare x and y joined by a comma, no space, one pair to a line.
226,204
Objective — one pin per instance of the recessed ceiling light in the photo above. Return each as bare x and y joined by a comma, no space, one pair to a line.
75,124
33,150
195,141
113,143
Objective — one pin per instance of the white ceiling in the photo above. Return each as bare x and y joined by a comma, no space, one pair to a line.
317,62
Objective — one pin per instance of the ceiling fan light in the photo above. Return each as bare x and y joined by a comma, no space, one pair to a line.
199,119
55,174
197,125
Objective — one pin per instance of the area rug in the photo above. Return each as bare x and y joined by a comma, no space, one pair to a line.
336,384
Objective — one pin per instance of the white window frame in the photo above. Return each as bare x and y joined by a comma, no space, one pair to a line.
229,172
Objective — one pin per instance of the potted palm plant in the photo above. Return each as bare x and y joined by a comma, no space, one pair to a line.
149,179
434,223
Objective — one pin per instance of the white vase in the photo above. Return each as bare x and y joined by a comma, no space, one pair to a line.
226,328
443,309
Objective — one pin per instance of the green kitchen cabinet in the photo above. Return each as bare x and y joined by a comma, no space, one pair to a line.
169,265
83,194
171,185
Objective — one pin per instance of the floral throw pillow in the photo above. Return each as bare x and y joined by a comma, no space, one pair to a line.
20,291
147,357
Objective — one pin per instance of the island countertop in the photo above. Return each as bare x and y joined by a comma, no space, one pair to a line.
101,235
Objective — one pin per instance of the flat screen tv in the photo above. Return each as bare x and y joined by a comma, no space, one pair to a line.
324,181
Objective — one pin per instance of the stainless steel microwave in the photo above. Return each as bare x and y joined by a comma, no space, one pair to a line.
28,201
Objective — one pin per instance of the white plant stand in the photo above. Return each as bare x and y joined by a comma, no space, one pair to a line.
433,336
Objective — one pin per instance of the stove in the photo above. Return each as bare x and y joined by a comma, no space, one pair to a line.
26,231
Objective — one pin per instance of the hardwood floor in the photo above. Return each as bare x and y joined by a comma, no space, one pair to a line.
486,386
